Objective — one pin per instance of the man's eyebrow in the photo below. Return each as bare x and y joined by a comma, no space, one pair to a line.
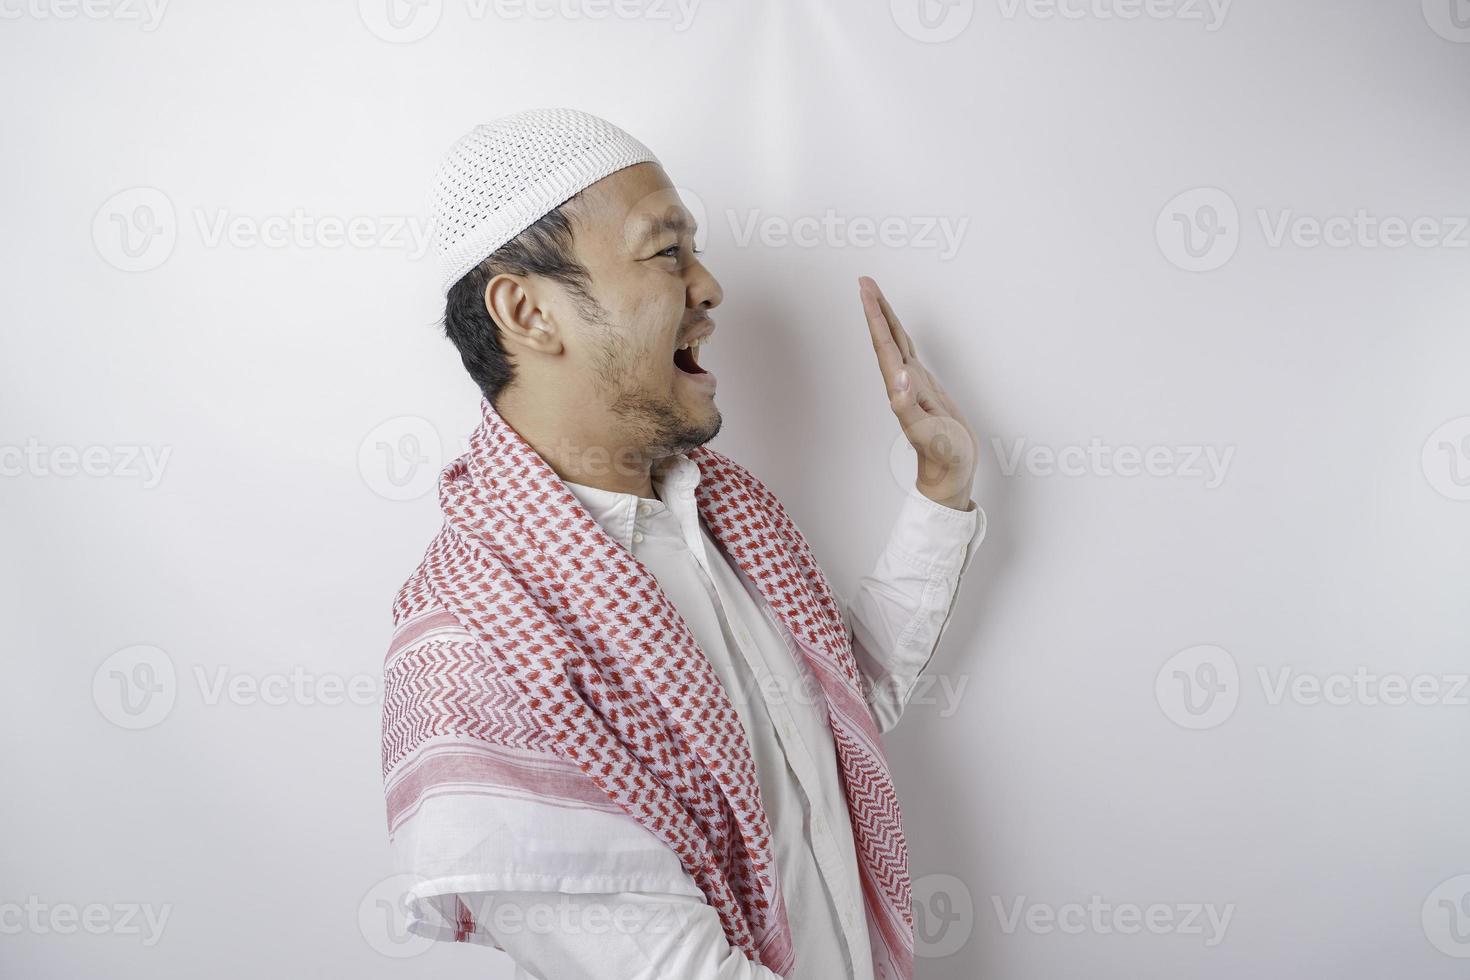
675,221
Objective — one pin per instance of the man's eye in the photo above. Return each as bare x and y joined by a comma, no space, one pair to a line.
672,251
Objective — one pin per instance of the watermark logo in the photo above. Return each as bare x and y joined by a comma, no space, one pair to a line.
1445,459
406,21
297,686
220,227
943,456
1210,13
400,21
1198,687
147,13
1450,19
35,459
1199,230
943,235
139,686
1362,229
135,230
383,918
1208,921
1445,917
136,687
932,21
401,458
1362,687
944,916
1206,464
40,918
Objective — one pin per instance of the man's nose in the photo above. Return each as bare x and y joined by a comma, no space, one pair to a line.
704,289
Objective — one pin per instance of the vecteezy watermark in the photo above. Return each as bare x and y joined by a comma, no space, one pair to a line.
1210,13
127,462
298,228
137,230
1445,916
138,687
297,686
946,452
148,14
1098,917
40,918
1198,230
936,21
1207,464
384,919
400,458
406,21
1362,686
931,689
932,21
1201,229
583,915
944,916
1450,19
941,234
1362,229
1201,686
1445,459
1198,687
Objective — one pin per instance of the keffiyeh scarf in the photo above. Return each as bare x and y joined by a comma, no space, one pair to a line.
580,657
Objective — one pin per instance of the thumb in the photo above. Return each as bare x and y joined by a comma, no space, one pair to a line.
903,399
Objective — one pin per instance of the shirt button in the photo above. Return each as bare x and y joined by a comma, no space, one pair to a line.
637,537
644,510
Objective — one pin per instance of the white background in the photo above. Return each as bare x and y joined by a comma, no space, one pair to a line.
268,545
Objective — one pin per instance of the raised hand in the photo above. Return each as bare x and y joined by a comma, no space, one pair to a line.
946,446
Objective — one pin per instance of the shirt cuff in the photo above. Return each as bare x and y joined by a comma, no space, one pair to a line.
935,539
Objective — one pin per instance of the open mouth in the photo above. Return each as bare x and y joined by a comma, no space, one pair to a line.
686,358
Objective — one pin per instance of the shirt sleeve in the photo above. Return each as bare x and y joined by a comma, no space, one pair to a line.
898,612
570,890
613,936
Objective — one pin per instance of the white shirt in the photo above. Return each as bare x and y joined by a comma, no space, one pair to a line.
589,897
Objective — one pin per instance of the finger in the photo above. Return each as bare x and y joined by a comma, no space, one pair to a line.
904,401
926,386
905,342
944,398
890,357
895,331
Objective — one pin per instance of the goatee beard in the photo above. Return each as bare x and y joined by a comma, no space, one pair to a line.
659,427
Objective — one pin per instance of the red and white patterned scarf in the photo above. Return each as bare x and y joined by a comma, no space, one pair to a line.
581,657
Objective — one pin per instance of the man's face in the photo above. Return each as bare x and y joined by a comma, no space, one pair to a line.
636,239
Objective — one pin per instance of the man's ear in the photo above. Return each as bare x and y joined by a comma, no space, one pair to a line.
525,321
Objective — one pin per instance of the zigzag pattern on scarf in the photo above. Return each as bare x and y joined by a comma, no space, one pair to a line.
580,653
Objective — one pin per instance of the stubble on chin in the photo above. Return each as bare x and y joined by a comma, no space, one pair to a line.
657,423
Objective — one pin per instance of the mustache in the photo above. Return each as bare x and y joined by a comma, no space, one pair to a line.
693,324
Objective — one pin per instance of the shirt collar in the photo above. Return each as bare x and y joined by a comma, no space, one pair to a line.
674,480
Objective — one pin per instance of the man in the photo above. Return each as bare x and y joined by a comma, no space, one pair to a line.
628,730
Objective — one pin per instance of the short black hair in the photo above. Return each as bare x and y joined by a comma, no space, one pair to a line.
543,249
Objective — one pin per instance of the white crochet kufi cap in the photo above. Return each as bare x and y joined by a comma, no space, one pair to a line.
502,176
